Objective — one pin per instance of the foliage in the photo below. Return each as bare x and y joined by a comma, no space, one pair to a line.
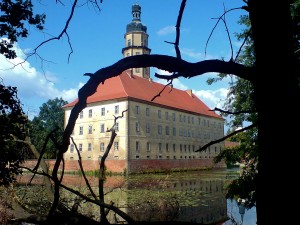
13,127
15,15
295,11
50,118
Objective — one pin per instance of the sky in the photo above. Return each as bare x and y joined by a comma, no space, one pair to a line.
97,39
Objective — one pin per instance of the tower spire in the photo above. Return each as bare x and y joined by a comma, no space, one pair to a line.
136,40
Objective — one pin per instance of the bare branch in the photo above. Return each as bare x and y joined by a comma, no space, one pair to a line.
220,18
232,113
225,137
82,170
158,95
179,18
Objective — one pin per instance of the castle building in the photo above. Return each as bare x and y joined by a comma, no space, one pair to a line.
152,135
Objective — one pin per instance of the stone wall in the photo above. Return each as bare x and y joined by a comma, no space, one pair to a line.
140,165
135,165
117,166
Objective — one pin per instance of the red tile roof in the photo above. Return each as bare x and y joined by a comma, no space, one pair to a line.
135,87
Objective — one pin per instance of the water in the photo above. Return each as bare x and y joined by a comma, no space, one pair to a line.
197,196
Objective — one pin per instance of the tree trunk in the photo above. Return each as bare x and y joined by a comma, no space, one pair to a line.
278,97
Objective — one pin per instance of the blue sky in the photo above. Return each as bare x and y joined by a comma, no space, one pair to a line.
97,38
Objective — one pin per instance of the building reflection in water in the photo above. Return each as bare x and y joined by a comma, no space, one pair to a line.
193,199
188,197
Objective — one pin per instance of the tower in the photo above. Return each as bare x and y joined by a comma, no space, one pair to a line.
136,40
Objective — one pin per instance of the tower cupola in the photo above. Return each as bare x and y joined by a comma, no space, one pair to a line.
136,24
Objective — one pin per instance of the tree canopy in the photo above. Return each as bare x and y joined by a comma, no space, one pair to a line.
13,128
50,121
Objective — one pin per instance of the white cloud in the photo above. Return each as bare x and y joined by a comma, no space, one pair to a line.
34,87
212,98
192,53
166,30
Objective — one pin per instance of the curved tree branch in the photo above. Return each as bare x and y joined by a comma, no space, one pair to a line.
225,137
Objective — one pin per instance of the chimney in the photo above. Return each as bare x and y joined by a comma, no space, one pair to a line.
190,92
129,73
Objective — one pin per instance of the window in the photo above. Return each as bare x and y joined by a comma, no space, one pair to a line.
103,111
90,113
81,115
128,54
80,147
137,146
147,128
147,112
180,118
129,42
174,147
159,114
89,146
117,126
173,116
102,130
137,109
159,129
137,127
189,119
167,147
174,131
116,109
71,147
166,115
167,130
101,147
137,53
90,129
192,120
81,130
180,147
159,147
116,146
148,147
137,70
